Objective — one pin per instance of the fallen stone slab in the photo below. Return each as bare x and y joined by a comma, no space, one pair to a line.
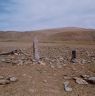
4,82
9,53
80,81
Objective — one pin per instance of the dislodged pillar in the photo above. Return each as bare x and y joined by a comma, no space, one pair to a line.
35,50
73,59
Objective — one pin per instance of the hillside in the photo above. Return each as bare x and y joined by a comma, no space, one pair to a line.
67,33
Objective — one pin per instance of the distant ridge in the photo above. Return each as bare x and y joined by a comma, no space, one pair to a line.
66,33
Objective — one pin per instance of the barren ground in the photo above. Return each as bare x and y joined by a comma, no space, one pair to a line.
47,80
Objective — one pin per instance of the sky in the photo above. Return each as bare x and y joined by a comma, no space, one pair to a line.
22,15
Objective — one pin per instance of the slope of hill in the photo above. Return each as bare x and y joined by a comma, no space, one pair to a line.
74,34
67,33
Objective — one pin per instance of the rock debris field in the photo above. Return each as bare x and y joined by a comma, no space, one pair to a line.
50,55
55,75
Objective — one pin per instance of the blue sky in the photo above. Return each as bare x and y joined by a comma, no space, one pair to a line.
24,15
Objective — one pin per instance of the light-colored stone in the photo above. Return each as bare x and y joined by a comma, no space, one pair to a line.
16,54
85,76
61,58
80,81
74,61
66,86
12,79
4,82
45,81
83,61
20,62
1,77
42,63
52,66
59,66
3,60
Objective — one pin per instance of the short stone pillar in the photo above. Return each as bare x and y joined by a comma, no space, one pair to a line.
73,58
73,54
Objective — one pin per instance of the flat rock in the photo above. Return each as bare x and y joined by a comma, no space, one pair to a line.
74,60
12,79
84,76
4,82
42,63
80,81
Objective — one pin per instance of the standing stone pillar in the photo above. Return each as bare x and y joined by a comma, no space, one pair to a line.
35,50
73,54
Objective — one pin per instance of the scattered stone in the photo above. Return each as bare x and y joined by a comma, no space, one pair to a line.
14,62
74,61
42,63
52,66
24,75
89,61
91,80
61,58
74,69
59,66
12,79
83,61
66,86
20,62
3,60
45,81
80,81
16,54
1,77
64,65
4,82
67,77
84,76
8,61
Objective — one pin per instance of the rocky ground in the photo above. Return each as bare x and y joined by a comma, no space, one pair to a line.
50,55
55,76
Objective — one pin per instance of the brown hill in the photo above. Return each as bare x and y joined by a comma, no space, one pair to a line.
74,34
67,33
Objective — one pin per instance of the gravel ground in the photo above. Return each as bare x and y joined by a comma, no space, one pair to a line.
47,79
